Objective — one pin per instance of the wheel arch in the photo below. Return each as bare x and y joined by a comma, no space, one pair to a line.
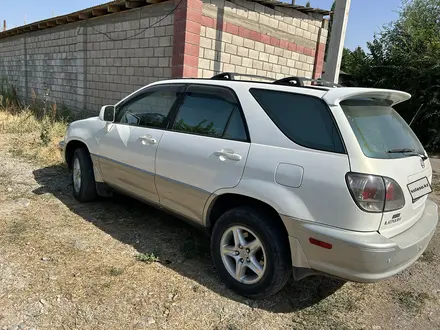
71,146
221,203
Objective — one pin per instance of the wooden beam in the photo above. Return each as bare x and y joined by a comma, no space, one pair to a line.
99,12
72,19
114,8
132,4
85,15
51,24
42,25
61,21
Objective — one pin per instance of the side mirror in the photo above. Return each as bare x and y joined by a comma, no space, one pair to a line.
107,113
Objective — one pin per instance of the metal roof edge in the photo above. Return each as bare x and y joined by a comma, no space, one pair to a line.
81,15
124,5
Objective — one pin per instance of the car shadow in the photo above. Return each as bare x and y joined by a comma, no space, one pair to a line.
179,246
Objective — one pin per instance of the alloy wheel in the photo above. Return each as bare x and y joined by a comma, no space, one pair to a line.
76,175
243,254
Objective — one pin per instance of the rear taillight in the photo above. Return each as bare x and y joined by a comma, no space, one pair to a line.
374,193
394,198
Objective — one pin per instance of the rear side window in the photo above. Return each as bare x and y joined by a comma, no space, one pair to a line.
306,120
210,111
236,129
379,129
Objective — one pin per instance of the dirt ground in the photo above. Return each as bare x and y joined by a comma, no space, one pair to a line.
65,265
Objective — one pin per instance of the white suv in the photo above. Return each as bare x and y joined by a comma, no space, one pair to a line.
283,176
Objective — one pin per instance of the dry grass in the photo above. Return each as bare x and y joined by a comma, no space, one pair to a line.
32,138
409,300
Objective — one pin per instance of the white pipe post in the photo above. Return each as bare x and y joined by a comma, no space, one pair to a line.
337,39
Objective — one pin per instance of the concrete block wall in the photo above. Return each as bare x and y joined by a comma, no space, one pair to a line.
52,65
98,61
249,38
12,64
128,56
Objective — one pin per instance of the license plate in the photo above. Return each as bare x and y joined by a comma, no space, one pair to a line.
419,188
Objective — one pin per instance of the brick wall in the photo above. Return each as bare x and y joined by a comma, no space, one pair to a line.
186,38
320,49
247,37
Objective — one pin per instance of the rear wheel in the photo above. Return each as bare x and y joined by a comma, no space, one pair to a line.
251,252
83,177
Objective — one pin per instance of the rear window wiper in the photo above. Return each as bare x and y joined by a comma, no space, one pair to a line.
406,151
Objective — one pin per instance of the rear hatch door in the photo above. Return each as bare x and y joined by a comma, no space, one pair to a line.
389,148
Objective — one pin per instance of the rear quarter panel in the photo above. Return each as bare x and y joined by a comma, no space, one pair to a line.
322,197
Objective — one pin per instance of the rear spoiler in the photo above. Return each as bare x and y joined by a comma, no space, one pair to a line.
337,95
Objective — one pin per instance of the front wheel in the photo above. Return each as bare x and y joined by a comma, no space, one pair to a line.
83,177
251,252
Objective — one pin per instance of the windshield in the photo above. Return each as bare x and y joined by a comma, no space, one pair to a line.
380,131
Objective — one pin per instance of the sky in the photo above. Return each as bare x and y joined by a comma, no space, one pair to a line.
366,16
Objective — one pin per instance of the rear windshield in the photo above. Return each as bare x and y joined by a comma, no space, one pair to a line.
380,131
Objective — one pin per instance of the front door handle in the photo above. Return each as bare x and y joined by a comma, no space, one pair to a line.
148,139
227,154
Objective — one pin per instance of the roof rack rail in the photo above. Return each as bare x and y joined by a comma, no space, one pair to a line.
290,81
299,82
287,81
232,76
325,83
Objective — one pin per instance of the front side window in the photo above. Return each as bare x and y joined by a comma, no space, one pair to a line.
210,111
150,109
379,129
304,119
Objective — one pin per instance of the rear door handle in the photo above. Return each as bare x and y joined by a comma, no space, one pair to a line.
148,139
227,154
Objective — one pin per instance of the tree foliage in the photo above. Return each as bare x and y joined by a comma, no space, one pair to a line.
405,55
203,128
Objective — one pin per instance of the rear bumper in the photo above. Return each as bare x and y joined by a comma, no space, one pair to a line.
360,256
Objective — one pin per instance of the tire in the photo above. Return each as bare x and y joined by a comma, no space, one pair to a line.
274,256
85,190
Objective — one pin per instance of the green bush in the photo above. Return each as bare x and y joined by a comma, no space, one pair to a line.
405,55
